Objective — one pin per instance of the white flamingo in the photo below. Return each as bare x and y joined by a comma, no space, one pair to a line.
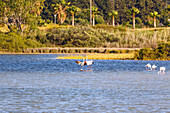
161,70
148,66
154,66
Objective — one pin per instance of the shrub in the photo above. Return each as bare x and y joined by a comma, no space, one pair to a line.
15,43
162,52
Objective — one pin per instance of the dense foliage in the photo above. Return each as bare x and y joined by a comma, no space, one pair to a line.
122,6
162,52
12,42
20,15
103,36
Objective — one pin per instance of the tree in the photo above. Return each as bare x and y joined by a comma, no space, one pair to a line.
60,9
94,11
154,15
113,14
134,11
90,11
106,6
73,10
20,14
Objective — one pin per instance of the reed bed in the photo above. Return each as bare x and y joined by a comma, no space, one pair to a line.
86,36
100,56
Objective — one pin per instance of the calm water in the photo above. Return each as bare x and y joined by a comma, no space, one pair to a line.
42,83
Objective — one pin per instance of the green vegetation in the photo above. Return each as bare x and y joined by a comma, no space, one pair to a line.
29,24
21,15
73,10
60,9
154,15
103,36
113,14
18,44
134,11
162,52
123,7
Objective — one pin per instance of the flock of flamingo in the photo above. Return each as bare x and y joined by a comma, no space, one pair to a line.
85,62
88,63
149,67
153,67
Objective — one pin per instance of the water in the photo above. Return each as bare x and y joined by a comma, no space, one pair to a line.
42,83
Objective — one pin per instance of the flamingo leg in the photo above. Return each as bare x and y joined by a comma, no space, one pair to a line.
89,67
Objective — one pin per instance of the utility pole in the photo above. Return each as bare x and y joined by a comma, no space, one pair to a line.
90,12
54,18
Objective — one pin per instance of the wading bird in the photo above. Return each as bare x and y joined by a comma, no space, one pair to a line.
148,66
154,66
161,70
89,63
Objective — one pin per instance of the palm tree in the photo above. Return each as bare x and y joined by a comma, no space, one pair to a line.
134,11
90,11
154,15
73,10
94,11
60,9
113,14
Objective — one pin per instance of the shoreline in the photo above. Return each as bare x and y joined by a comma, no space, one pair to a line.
9,53
73,50
102,56
94,56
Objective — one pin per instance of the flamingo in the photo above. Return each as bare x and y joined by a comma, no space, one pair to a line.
148,66
154,66
161,70
89,63
80,63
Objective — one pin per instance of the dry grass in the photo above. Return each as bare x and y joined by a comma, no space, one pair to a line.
4,28
53,26
98,56
149,29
